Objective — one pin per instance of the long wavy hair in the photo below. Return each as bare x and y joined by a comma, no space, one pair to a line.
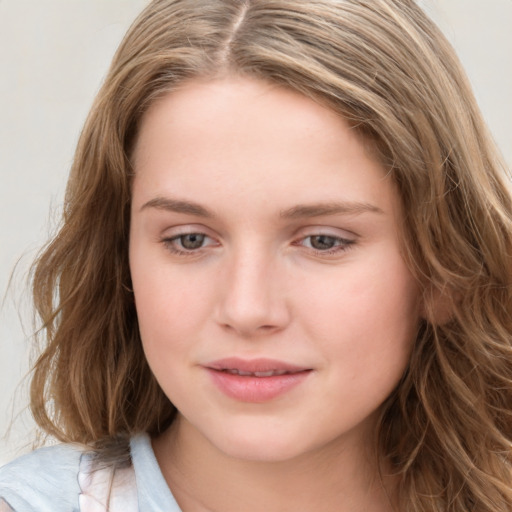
386,68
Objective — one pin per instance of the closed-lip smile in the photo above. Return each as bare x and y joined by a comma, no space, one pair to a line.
255,380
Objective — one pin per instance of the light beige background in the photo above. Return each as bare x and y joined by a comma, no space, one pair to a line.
53,55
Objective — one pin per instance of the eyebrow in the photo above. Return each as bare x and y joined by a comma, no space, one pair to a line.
296,212
178,206
321,209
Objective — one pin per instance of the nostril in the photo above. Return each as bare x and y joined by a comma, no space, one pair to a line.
249,331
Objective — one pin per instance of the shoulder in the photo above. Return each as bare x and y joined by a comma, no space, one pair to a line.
44,480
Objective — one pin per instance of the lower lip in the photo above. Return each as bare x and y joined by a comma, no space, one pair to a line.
256,389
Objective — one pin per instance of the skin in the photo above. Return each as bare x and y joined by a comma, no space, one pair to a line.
261,283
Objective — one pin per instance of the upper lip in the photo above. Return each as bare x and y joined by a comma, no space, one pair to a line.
259,365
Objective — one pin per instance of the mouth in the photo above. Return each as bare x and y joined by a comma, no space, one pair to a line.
270,373
256,380
261,367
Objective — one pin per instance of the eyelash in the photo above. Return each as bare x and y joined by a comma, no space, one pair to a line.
170,244
342,244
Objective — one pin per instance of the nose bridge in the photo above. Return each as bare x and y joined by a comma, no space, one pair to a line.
253,299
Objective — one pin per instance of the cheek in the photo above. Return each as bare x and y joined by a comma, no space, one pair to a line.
167,317
168,320
168,302
366,320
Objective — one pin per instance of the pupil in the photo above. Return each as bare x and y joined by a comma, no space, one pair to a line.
192,241
322,242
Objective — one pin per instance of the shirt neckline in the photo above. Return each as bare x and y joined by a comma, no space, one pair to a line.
153,492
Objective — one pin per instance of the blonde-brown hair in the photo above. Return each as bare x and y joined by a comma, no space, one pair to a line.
384,66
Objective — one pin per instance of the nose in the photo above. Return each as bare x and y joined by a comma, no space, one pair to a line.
253,299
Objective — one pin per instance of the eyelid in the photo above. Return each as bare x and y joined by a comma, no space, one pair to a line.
186,229
345,240
170,239
335,232
340,242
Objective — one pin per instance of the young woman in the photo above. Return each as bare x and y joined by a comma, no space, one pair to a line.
284,275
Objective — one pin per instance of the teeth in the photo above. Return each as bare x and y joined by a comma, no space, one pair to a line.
270,373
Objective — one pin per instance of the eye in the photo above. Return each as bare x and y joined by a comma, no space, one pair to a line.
191,241
187,243
326,244
323,242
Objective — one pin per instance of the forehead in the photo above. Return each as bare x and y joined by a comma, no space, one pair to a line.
249,107
250,141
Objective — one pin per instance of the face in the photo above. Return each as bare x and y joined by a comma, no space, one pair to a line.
275,309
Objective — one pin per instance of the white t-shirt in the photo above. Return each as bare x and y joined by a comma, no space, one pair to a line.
63,478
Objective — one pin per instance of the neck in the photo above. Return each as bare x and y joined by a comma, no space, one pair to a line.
338,478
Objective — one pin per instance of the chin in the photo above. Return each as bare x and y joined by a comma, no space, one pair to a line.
262,446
